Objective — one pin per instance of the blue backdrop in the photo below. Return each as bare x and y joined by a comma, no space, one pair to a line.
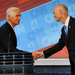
38,29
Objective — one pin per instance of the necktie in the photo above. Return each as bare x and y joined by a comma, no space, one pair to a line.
65,29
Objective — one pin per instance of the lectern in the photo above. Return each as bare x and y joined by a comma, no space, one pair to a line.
16,62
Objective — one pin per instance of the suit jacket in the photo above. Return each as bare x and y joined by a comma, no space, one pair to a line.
69,41
8,41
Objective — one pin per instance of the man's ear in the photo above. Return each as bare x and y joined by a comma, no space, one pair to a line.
9,17
60,11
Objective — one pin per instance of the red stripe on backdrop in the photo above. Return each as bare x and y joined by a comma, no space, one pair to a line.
24,5
22,1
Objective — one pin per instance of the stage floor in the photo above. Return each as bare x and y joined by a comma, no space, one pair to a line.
38,74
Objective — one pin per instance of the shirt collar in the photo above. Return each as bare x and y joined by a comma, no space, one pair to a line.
11,25
67,21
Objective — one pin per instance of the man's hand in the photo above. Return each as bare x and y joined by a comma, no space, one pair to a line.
37,55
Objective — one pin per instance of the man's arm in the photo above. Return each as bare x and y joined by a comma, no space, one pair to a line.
56,47
51,50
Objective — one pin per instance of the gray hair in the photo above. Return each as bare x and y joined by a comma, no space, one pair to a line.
9,11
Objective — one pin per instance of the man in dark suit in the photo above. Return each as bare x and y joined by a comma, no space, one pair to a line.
8,40
67,36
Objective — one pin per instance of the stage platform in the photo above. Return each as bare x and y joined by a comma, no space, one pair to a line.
52,65
38,74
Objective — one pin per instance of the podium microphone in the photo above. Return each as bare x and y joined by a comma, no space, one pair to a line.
9,44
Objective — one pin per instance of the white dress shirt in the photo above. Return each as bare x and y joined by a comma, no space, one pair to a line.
11,26
67,22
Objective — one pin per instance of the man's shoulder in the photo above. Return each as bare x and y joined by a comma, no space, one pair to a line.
4,26
72,18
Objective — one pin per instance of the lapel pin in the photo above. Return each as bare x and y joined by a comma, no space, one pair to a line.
69,26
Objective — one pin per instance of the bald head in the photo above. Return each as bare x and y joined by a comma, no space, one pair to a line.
61,7
60,13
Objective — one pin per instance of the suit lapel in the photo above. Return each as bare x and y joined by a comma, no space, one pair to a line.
11,32
69,28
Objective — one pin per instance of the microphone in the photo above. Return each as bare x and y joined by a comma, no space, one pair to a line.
9,43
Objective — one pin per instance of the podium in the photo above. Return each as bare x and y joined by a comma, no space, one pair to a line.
16,62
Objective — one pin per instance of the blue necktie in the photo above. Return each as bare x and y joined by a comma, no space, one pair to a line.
65,29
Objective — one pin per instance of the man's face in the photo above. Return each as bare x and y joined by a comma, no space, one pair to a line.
15,18
57,14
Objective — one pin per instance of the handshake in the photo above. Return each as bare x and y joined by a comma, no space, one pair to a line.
37,54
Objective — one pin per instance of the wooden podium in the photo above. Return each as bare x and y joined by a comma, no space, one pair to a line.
16,62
